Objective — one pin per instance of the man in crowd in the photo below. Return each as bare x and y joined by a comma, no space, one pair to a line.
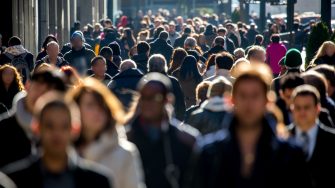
160,46
141,59
99,68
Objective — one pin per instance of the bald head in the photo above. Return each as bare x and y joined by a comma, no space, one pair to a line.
127,64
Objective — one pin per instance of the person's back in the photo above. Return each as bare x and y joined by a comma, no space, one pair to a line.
274,52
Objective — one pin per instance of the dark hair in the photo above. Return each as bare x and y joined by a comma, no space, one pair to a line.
291,81
307,90
47,40
106,52
54,104
275,38
222,30
164,35
258,39
115,47
317,80
219,41
224,61
178,56
129,37
201,90
187,30
189,69
328,71
13,41
210,61
158,31
95,60
52,77
143,47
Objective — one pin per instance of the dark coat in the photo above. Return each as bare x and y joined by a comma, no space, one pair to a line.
154,152
43,53
179,42
124,85
60,61
179,105
67,47
80,60
251,34
160,46
214,50
325,60
28,173
106,80
277,163
230,45
112,69
275,85
14,142
322,161
141,61
7,96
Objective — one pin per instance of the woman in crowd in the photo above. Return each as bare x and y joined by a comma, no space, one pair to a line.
10,84
189,77
128,41
102,138
325,54
177,59
210,66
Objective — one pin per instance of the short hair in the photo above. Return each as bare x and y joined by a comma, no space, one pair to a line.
187,30
224,61
219,41
143,47
127,64
106,52
257,71
254,50
14,41
317,80
306,90
239,51
157,63
259,38
52,77
53,43
222,30
191,42
291,81
95,60
201,90
275,38
164,35
219,87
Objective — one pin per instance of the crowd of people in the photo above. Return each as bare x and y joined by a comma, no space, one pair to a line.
163,102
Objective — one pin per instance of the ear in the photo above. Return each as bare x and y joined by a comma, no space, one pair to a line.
35,127
27,85
318,106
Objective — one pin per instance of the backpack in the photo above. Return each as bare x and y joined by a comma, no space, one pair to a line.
20,63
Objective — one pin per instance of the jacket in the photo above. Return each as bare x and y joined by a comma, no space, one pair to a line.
276,164
119,155
80,60
179,42
208,118
274,52
60,61
322,160
141,61
215,50
124,85
29,172
179,104
169,148
160,46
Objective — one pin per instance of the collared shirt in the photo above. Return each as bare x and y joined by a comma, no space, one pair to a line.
312,135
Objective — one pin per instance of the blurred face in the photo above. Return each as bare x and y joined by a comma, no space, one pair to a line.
249,102
222,34
94,118
55,130
8,76
53,50
286,96
330,50
259,56
99,68
77,43
34,91
304,111
151,102
172,28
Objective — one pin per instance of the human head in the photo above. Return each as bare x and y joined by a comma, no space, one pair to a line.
56,123
250,93
317,80
326,49
219,41
305,106
100,110
329,73
275,38
10,77
72,78
77,40
14,41
48,39
52,49
127,64
224,61
190,43
115,48
98,65
293,59
219,87
189,69
143,48
259,39
287,84
157,63
107,53
222,31
239,53
178,56
201,91
164,35
256,54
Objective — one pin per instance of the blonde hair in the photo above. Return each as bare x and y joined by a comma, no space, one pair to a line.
322,50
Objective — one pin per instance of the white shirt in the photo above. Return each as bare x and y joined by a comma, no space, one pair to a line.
312,135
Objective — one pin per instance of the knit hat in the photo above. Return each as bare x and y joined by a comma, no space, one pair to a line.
77,34
293,58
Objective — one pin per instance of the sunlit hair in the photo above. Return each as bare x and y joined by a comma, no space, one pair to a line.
177,59
235,69
17,82
210,61
103,96
322,50
72,77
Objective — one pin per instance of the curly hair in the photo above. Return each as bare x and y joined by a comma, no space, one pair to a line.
17,83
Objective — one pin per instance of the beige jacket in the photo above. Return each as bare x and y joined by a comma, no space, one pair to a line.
122,157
